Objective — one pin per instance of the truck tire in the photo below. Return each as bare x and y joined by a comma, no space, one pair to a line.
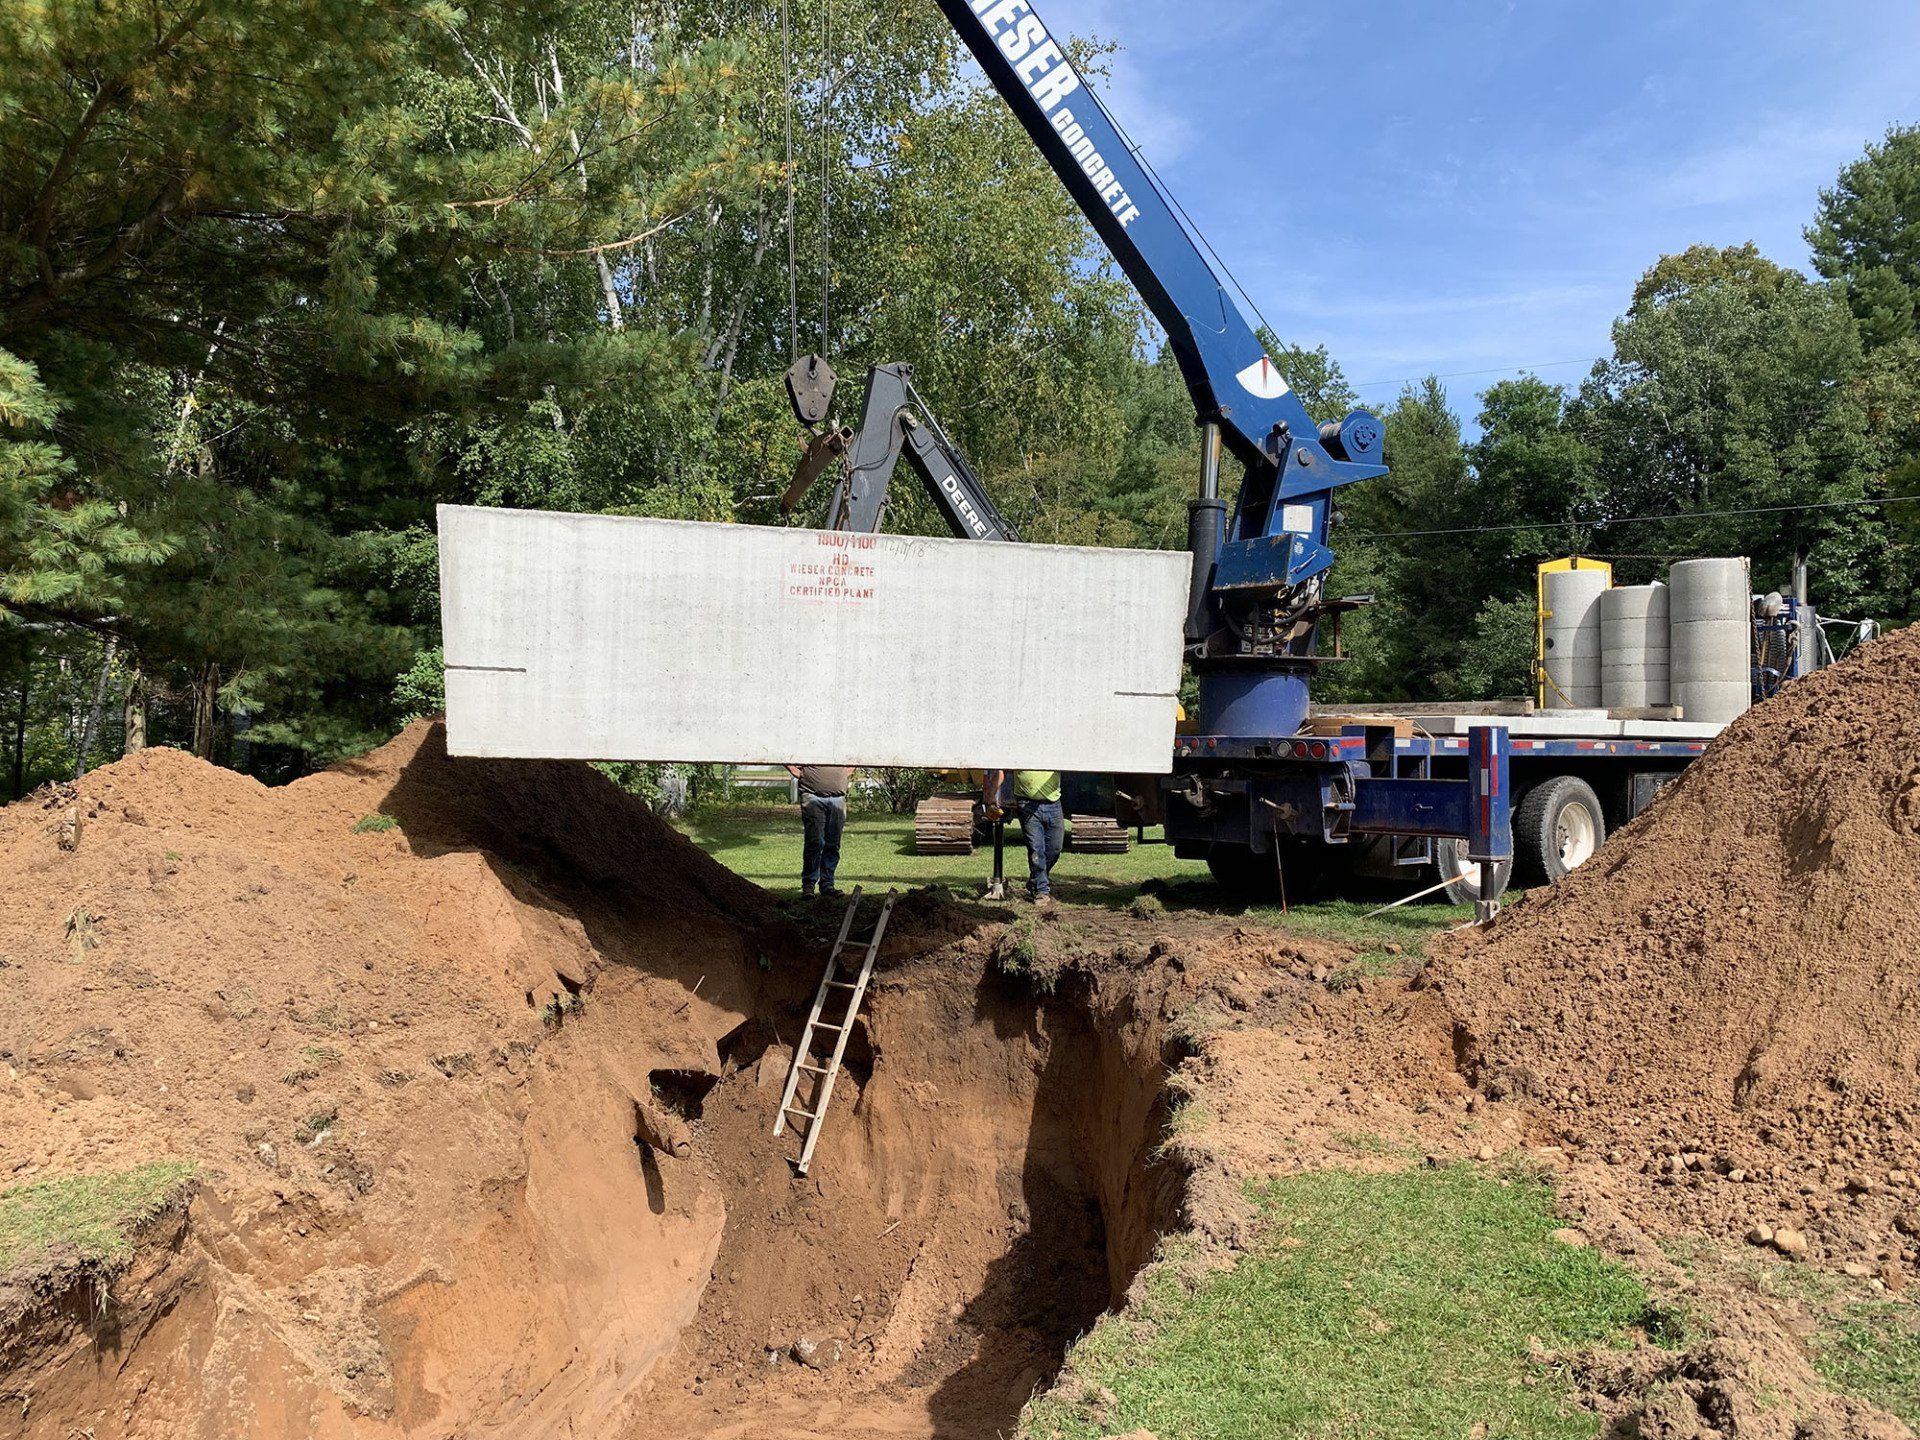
1466,881
1557,827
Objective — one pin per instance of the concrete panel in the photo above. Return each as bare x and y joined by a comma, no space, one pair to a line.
1573,725
601,637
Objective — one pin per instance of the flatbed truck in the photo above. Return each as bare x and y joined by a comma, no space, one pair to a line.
1575,776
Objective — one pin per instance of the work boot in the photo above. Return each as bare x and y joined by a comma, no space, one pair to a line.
829,892
806,892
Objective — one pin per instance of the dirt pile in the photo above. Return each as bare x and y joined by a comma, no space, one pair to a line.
1725,1004
411,1061
404,1015
337,999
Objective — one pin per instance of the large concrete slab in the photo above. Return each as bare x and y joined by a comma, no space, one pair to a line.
611,638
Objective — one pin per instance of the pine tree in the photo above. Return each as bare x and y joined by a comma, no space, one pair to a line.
1867,236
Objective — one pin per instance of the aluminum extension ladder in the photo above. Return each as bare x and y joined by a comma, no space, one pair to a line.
832,980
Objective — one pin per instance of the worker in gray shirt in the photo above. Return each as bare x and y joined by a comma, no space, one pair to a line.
823,815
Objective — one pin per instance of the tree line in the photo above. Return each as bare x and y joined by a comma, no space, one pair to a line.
277,279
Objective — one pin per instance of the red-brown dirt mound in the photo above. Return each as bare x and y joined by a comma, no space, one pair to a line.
409,1062
349,1030
1726,1003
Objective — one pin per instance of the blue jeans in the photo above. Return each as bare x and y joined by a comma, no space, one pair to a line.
1045,826
822,818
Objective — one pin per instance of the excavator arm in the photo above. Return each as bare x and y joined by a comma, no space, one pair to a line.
894,422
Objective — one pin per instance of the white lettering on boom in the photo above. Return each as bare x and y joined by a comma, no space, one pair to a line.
1021,37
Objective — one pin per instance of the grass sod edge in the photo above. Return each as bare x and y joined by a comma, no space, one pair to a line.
89,1220
1408,1304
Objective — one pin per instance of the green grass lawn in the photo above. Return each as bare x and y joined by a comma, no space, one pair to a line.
90,1216
877,852
1408,1304
1873,1350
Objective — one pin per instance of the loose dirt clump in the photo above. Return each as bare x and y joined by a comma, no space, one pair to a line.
1724,1007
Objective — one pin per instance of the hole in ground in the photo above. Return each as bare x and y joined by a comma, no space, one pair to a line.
979,1198
684,1092
993,1191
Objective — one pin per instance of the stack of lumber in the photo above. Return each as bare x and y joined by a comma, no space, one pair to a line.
1098,835
943,825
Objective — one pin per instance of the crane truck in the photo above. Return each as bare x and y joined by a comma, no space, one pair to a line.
1246,786
1260,789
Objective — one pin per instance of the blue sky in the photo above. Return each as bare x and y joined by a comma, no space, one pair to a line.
1475,185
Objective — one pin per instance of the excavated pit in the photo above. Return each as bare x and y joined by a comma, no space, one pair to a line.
987,1184
428,1074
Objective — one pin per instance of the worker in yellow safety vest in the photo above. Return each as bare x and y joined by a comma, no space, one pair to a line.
1036,796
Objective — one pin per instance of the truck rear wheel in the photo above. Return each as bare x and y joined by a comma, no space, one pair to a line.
1467,880
1557,828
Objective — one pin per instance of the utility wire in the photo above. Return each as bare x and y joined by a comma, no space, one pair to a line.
1627,519
1194,232
826,177
1463,374
1199,238
793,260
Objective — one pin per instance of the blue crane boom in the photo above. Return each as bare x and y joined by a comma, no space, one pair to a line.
1257,581
1222,360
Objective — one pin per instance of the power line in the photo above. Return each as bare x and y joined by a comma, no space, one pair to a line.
793,275
1463,374
1206,245
1195,233
1200,239
1627,520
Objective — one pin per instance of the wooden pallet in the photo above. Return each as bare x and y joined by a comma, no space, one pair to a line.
1330,725
1098,835
1356,710
943,825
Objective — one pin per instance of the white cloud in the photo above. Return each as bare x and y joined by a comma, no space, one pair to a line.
1789,156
